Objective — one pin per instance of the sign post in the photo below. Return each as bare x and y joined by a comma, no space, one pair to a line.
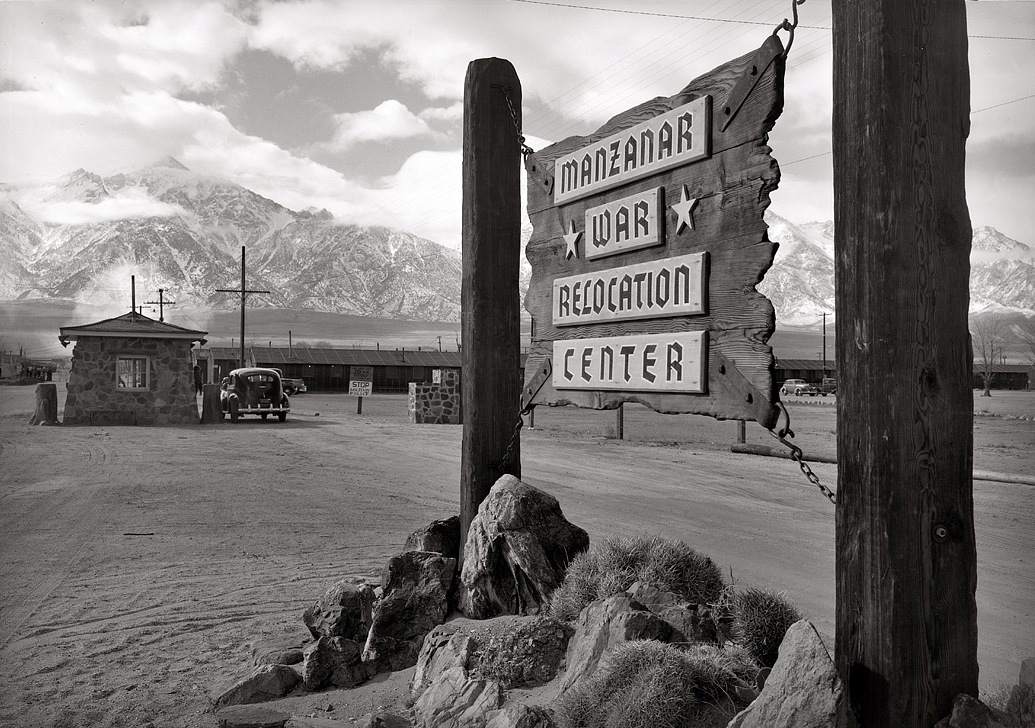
361,384
490,323
647,244
906,563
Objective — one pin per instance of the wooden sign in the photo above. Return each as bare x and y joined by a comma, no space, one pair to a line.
669,139
630,223
648,245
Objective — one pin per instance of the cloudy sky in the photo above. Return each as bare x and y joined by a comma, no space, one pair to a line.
355,106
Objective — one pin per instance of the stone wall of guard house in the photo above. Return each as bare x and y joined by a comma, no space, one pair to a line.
93,398
437,403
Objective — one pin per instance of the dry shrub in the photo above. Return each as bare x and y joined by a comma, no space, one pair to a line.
648,684
612,565
761,618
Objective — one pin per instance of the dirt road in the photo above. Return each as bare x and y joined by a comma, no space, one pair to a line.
138,564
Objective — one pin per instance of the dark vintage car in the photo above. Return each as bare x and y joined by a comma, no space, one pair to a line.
254,391
293,386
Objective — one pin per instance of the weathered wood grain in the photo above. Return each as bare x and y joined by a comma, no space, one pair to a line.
490,323
906,564
732,188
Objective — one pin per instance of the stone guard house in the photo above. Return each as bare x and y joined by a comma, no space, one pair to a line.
131,370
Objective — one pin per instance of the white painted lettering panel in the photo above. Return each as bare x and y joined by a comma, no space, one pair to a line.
631,223
677,137
673,362
657,289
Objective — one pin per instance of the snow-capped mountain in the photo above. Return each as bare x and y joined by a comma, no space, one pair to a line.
801,280
82,237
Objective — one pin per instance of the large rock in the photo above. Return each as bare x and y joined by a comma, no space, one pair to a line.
521,716
456,700
969,712
604,624
689,622
513,651
344,610
1021,706
802,691
268,682
442,537
518,548
416,589
444,648
334,661
273,653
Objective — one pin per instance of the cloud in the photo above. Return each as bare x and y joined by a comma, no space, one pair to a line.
128,203
107,49
388,120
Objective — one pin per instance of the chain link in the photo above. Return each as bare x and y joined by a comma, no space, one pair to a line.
509,452
525,149
797,454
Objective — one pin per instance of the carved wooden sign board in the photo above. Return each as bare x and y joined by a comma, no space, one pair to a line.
647,244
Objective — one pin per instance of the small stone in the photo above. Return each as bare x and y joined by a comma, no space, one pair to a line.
251,716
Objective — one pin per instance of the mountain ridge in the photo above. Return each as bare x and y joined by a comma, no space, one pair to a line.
82,236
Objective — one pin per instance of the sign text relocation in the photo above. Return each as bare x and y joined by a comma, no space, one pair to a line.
656,289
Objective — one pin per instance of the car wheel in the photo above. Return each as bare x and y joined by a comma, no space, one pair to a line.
783,391
282,416
824,394
797,392
263,416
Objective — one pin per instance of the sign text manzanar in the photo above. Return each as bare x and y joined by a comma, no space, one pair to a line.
647,247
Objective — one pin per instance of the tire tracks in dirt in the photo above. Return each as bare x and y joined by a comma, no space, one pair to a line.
81,516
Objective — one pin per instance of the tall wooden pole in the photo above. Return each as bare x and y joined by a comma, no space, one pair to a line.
490,323
243,296
243,292
906,557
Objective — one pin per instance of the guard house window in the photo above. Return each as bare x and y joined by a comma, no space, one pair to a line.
132,373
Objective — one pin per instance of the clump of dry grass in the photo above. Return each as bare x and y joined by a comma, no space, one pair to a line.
761,618
648,684
612,565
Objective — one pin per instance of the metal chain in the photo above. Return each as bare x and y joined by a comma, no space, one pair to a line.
797,454
525,149
509,452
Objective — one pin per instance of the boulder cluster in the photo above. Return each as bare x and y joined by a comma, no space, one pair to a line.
487,653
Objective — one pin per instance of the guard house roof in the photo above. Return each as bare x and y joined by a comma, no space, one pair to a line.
131,324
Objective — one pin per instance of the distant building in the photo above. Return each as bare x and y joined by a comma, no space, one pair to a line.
330,369
130,370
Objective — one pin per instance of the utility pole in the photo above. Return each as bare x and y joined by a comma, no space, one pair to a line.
243,291
161,303
906,557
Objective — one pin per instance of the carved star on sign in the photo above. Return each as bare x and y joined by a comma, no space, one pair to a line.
685,210
571,239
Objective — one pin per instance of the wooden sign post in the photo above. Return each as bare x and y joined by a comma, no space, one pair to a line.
490,324
648,243
906,556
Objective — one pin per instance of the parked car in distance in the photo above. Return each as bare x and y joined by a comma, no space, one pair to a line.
254,391
293,386
798,387
828,386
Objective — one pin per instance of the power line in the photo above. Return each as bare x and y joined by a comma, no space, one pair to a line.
1005,103
656,15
